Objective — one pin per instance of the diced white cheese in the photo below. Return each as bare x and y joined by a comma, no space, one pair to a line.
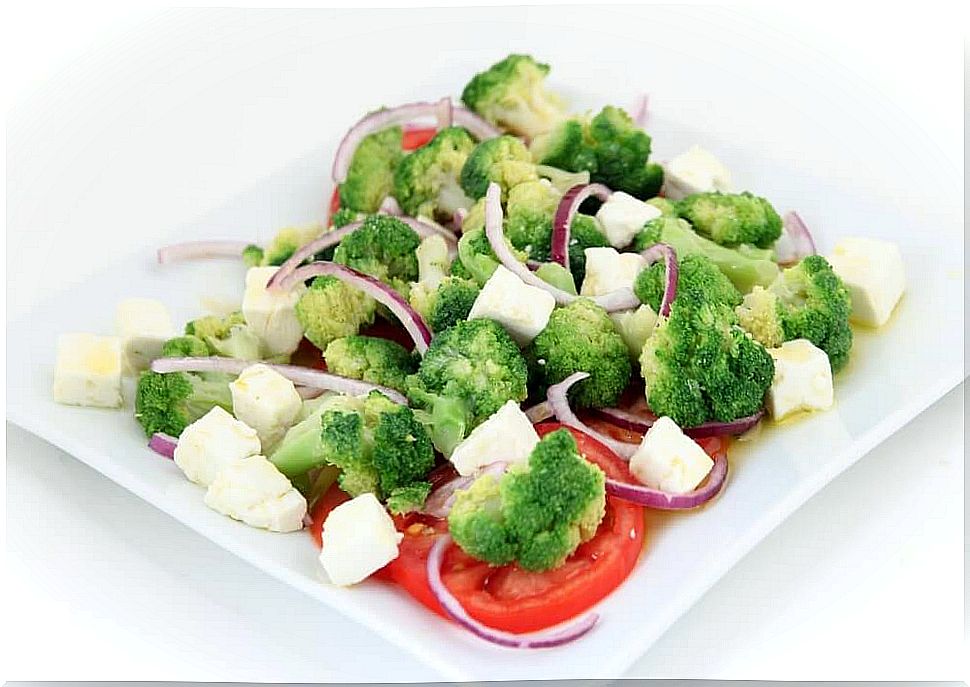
608,270
622,216
212,442
695,171
272,314
143,324
873,272
669,460
255,491
523,310
266,401
802,381
88,370
506,436
359,538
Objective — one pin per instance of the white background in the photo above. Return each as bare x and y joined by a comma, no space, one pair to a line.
167,116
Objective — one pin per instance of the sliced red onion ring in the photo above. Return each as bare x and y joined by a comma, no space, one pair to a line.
444,113
200,250
539,412
458,218
559,402
376,289
796,240
304,376
308,393
637,423
536,640
477,127
641,110
441,500
662,500
624,419
563,219
671,271
382,119
621,299
163,444
389,206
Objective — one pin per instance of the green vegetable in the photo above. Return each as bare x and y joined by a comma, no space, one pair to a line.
512,94
635,327
370,177
409,498
581,338
171,401
535,515
252,255
447,304
504,160
374,360
806,301
286,242
383,247
476,259
330,309
698,279
224,336
426,181
732,219
557,275
344,216
187,346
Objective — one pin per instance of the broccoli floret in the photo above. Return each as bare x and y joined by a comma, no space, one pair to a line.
610,146
252,255
469,371
581,338
169,402
536,514
505,160
806,301
731,219
557,275
561,179
476,259
213,326
187,346
426,181
745,266
698,279
635,327
433,260
512,94
286,242
372,359
447,304
409,498
668,208
330,309
370,177
344,216
383,247
227,336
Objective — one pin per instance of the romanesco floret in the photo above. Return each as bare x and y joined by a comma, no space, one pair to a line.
372,359
370,177
536,514
505,160
330,309
731,219
426,181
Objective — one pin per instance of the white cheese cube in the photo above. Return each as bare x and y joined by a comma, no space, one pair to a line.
609,270
874,275
359,538
272,314
255,491
143,324
802,381
695,171
669,460
266,401
212,442
523,310
506,436
88,370
622,216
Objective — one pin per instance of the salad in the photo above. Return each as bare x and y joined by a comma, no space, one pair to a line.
515,332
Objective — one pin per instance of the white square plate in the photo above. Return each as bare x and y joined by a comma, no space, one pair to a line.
890,379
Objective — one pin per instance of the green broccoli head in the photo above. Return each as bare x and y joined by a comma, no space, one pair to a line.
610,146
372,359
213,326
698,279
426,181
469,371
344,216
227,336
505,160
330,309
731,219
187,346
370,177
806,301
476,259
535,515
171,401
512,94
581,338
252,255
383,247
744,266
287,241
447,304
409,498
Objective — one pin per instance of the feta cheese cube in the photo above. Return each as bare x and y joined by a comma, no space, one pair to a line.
622,216
506,436
802,381
88,370
255,491
266,401
695,171
212,442
874,275
359,538
608,270
143,324
669,460
523,310
272,314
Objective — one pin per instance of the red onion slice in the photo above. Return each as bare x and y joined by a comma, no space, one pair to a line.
637,423
536,640
441,500
477,127
444,113
389,206
458,218
200,250
376,289
641,110
563,219
304,376
671,270
662,500
624,419
796,240
559,402
621,299
163,444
